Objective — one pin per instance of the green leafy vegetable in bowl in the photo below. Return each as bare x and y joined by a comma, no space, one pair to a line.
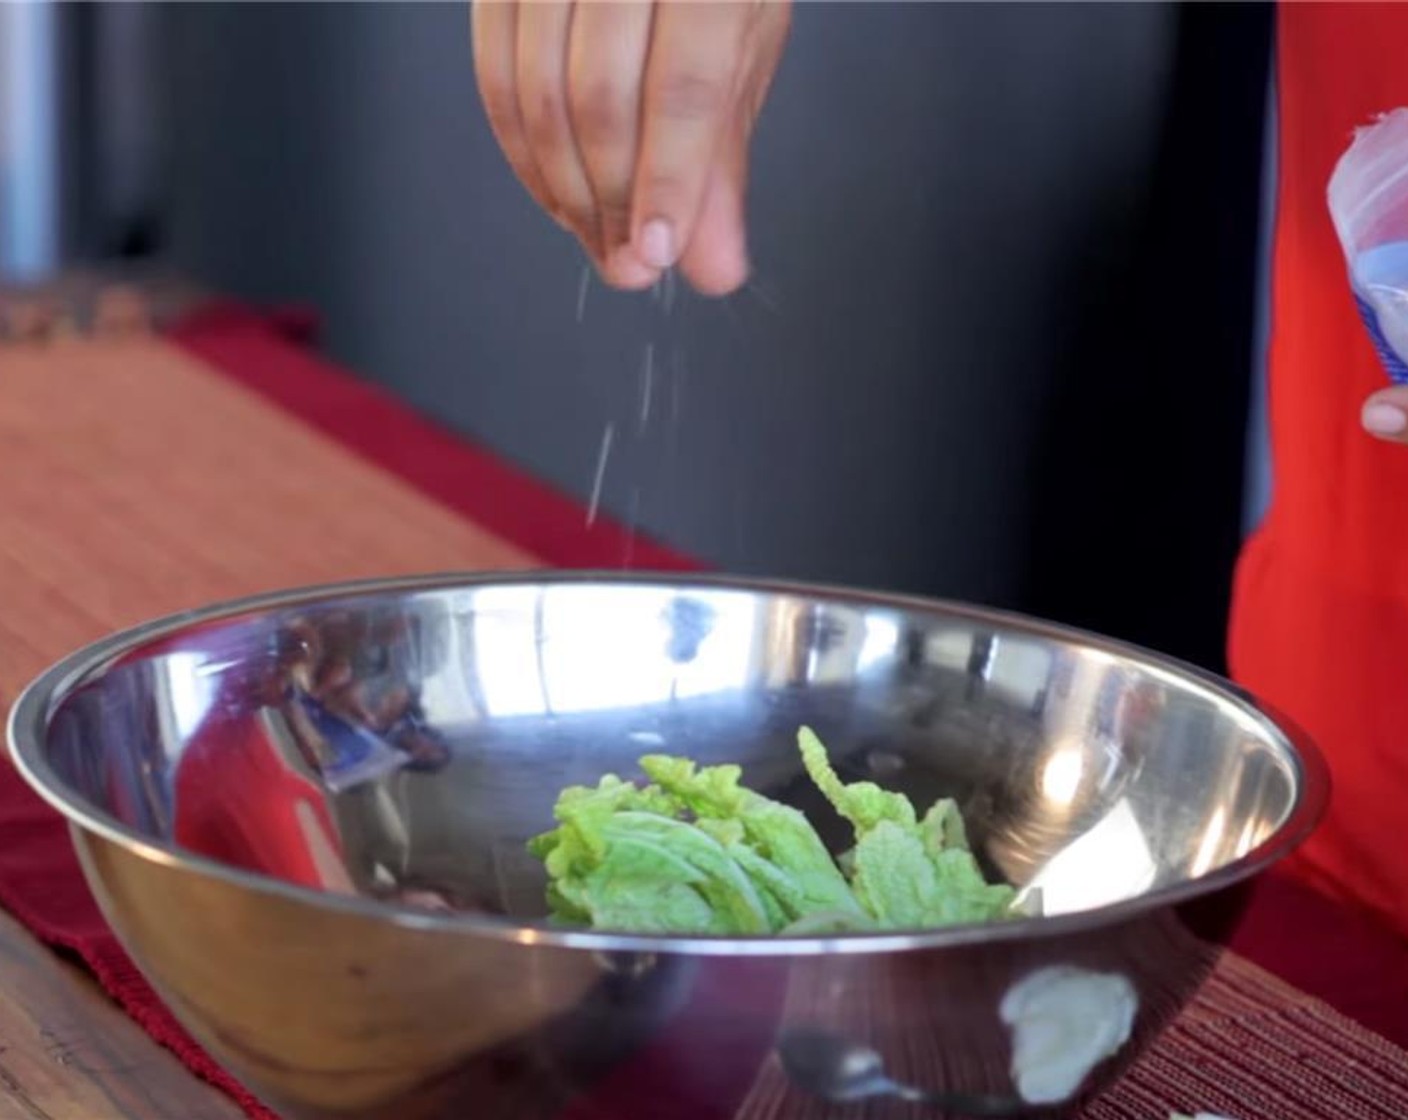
693,851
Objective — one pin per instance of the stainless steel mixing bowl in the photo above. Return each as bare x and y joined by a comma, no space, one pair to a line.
304,815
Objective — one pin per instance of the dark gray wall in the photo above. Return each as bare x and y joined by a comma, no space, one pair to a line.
945,197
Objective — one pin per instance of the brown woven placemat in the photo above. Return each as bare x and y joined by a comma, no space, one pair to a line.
1255,1048
135,483
1249,1047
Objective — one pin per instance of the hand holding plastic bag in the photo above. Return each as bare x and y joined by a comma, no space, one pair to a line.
1368,199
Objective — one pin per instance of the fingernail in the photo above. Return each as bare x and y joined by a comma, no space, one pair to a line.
1384,419
657,244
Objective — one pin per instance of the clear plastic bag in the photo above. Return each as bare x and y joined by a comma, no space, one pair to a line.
1368,199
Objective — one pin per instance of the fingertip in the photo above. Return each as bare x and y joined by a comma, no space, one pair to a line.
716,260
1385,415
624,270
715,274
1385,420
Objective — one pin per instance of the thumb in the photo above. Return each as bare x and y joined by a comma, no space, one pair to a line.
1385,414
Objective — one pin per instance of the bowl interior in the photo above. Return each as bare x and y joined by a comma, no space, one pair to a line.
405,741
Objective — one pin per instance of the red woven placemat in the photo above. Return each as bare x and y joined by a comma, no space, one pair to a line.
191,489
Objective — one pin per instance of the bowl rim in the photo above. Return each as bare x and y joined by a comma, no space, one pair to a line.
30,714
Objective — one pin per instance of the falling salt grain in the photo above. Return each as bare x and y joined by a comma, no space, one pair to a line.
607,435
647,384
582,285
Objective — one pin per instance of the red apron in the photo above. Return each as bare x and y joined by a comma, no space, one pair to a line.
1320,610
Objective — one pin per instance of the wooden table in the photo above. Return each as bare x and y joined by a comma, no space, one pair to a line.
67,1053
135,480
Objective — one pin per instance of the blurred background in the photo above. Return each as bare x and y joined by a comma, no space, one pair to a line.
1004,339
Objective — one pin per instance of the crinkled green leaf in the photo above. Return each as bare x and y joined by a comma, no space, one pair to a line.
582,810
942,827
713,791
779,892
641,888
783,850
904,887
963,895
894,878
864,804
775,888
694,851
726,832
565,903
906,873
824,922
716,875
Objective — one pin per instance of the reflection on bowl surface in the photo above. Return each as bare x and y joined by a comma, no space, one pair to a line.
305,816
